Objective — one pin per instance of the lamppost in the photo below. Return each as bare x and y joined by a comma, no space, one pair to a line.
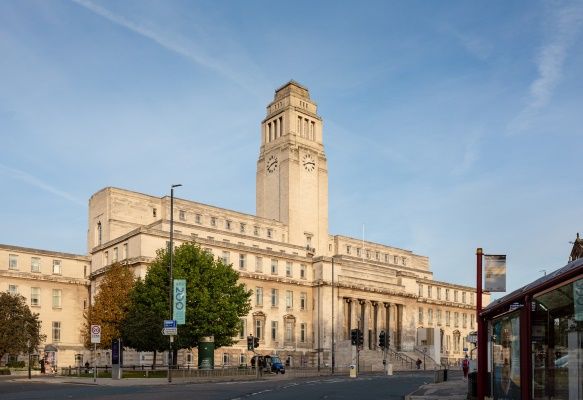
171,261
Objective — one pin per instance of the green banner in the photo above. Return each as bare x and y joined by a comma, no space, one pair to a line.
179,294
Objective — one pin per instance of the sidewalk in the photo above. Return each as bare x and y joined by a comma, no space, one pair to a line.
456,389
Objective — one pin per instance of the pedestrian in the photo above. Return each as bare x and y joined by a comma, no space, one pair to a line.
465,367
418,363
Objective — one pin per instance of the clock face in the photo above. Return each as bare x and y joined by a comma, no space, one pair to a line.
308,163
271,164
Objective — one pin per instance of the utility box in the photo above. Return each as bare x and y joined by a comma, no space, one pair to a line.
206,352
389,369
353,371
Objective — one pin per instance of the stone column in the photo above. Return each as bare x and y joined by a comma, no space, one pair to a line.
387,322
347,317
399,327
375,329
363,325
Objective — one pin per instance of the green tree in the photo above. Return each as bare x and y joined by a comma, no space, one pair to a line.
215,300
110,304
143,321
19,327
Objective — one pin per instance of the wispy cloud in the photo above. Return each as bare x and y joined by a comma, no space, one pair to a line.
475,45
198,56
470,155
563,26
33,181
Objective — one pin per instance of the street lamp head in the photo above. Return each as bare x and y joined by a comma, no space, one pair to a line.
176,185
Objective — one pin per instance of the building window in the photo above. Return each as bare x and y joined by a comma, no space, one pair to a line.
471,298
438,293
125,251
242,323
455,296
464,320
242,261
472,319
289,331
456,342
182,215
115,254
303,301
13,289
256,230
438,317
269,233
213,221
274,330
447,318
197,218
302,271
242,359
420,290
225,358
367,254
288,269
258,296
106,255
258,329
430,316
258,264
57,267
242,228
56,298
154,212
395,260
35,296
464,297
347,249
446,294
358,251
420,315
387,258
228,224
100,231
404,261
289,299
56,331
303,331
456,319
12,261
274,267
429,291
35,264
226,257
274,298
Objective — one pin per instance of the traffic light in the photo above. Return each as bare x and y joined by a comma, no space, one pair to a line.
360,338
354,337
388,341
382,339
255,342
250,342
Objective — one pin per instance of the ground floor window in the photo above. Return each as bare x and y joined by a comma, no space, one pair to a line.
557,343
506,356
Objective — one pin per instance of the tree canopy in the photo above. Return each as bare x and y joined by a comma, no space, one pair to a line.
110,304
20,329
215,300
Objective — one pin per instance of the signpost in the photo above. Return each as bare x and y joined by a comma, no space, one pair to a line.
95,338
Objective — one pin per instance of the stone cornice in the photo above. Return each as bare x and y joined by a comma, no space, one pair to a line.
43,277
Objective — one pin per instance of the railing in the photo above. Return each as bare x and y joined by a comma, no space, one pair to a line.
425,354
403,358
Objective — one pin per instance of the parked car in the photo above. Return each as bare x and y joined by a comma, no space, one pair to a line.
270,363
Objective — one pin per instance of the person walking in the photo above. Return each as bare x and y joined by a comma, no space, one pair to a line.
418,363
465,367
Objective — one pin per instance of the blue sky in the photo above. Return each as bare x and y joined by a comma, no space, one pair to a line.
448,125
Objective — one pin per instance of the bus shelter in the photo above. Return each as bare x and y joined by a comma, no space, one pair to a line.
535,339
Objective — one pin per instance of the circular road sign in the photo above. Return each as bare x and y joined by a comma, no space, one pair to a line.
95,330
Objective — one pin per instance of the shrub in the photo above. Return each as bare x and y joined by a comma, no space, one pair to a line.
4,371
15,364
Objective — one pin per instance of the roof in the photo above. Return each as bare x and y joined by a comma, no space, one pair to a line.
574,268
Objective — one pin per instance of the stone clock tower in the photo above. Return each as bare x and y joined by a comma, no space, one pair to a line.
292,174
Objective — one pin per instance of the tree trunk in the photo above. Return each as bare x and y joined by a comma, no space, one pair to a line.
154,361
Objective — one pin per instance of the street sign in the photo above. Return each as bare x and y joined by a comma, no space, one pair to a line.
472,337
170,331
95,333
169,323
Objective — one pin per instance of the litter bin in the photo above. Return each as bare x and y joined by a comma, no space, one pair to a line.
473,385
445,374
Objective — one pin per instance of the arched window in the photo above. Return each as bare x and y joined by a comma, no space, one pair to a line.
456,341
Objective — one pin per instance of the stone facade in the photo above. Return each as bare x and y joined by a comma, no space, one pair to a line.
56,286
309,286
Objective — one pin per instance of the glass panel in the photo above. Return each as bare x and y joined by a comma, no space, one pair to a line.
506,357
557,343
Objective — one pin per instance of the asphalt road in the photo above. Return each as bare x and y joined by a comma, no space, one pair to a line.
367,387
